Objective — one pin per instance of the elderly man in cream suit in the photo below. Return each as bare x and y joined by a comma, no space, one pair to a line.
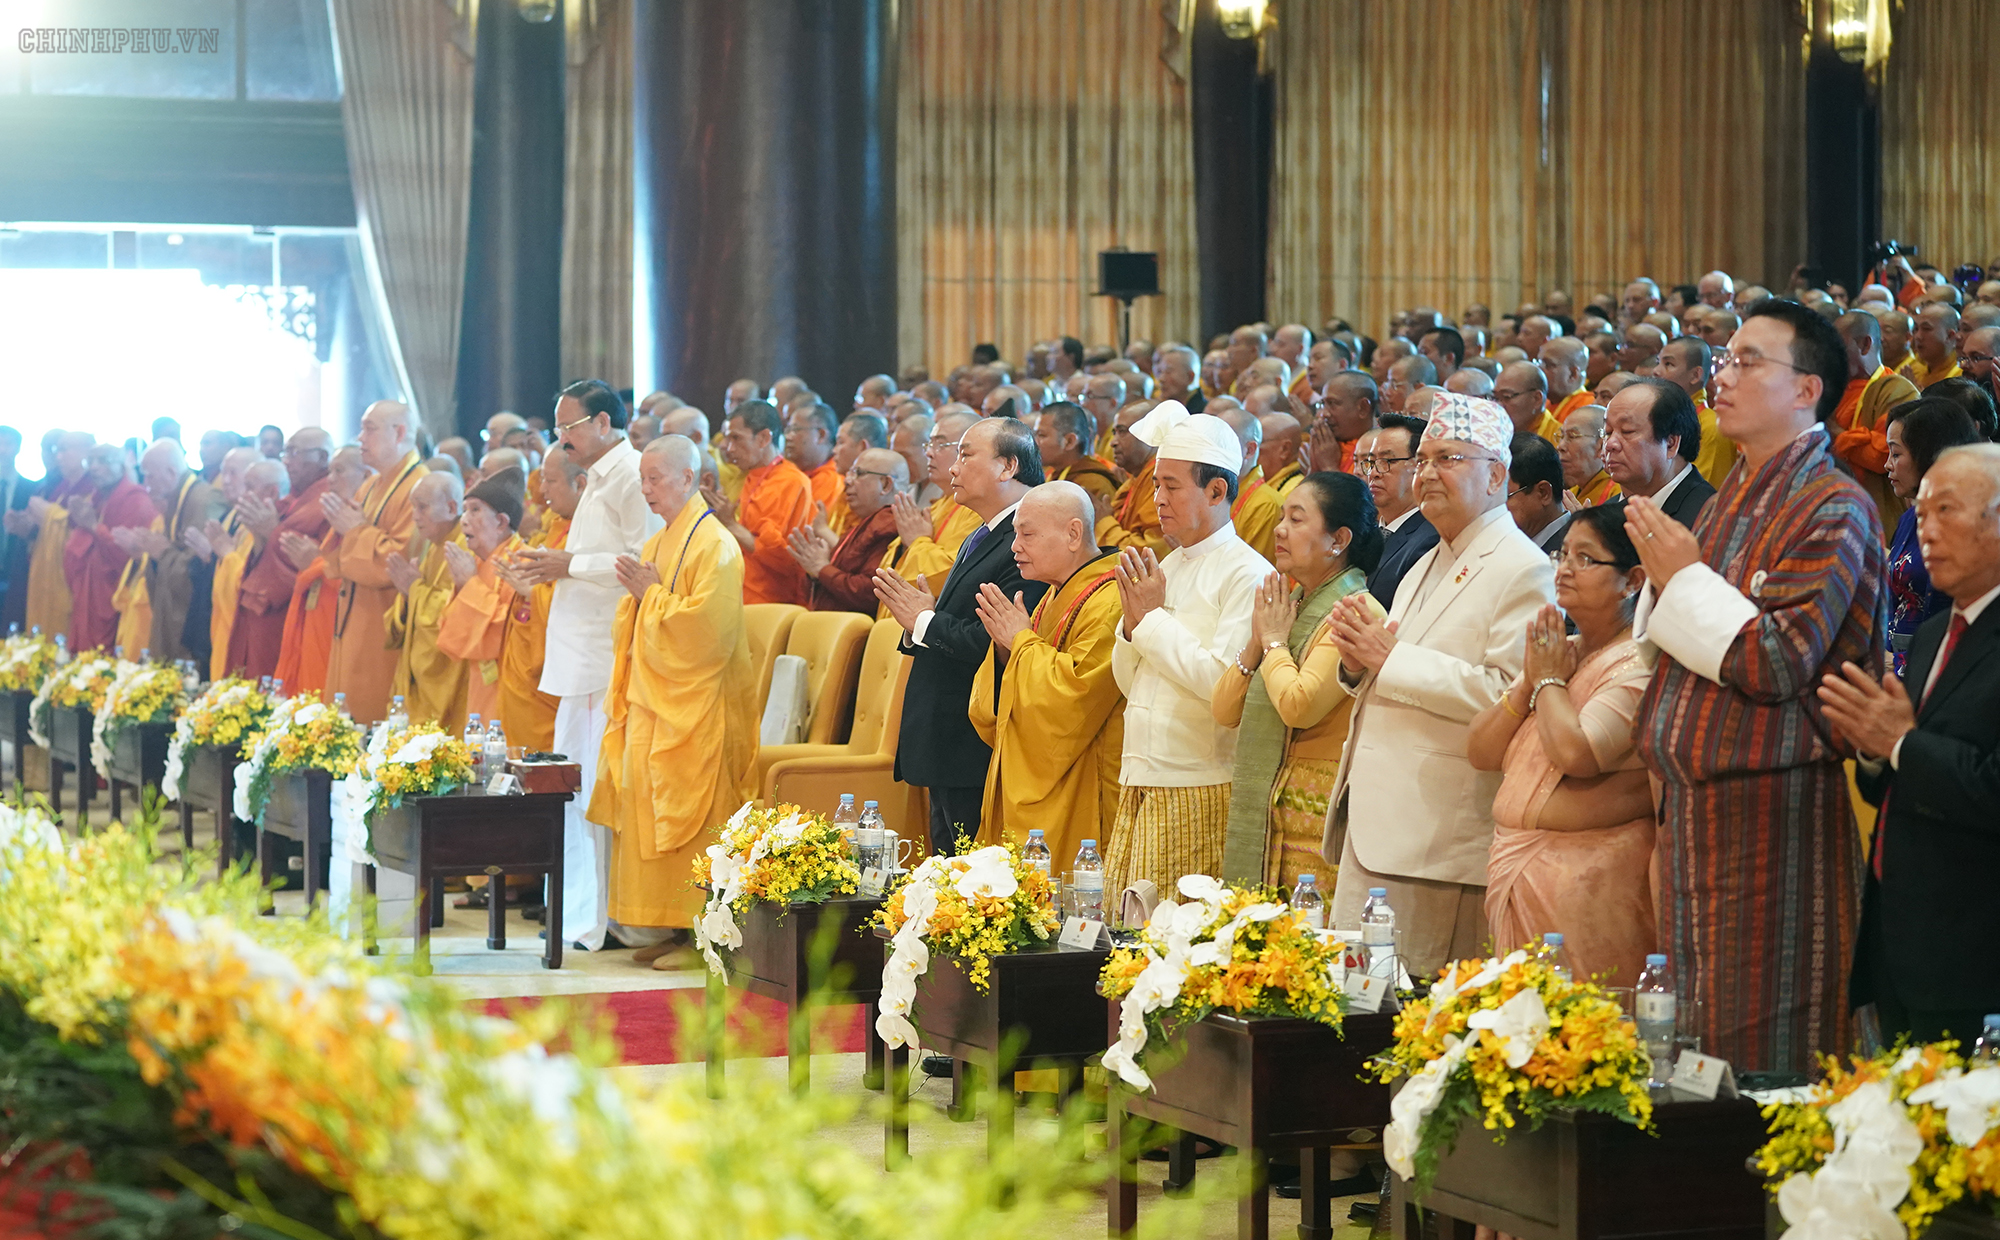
1408,812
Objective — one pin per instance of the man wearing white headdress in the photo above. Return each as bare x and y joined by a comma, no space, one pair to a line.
1186,619
1408,812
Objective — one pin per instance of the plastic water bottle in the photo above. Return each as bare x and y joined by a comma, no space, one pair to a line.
1557,958
1378,936
496,748
845,816
399,718
145,654
1035,854
264,686
62,649
1087,883
340,705
277,688
475,740
1655,997
868,837
118,653
1308,905
1987,1049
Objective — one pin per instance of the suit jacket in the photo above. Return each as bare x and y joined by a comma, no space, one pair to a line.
1400,550
1687,501
1934,909
938,746
1415,807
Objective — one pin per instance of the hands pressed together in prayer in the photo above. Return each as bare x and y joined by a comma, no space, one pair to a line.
260,516
1362,634
637,575
196,540
912,522
538,565
812,549
1142,587
298,550
905,601
461,564
720,504
1872,715
1550,652
1322,447
1271,615
219,539
402,571
82,513
344,515
1005,619
1101,505
1665,545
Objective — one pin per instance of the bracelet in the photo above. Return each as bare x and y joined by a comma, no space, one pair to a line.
1540,685
1507,702
1270,646
1237,659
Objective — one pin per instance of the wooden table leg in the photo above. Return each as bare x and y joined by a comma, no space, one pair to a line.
798,1042
1121,1197
496,912
873,1051
713,1019
1000,1130
117,800
20,766
436,905
422,920
187,826
1404,1222
369,947
1181,1163
964,1092
1253,1208
319,835
267,846
55,785
552,906
896,1142
1315,1208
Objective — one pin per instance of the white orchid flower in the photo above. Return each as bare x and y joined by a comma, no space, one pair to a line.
1817,1208
1519,1024
1970,1101
1202,887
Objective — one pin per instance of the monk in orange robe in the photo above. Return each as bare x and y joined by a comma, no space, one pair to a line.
307,647
47,522
226,545
93,562
256,640
777,499
376,524
478,621
1133,517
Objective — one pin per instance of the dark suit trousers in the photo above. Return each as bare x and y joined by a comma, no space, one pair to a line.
1897,1018
955,812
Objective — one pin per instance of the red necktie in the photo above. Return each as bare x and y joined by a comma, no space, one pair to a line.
1957,630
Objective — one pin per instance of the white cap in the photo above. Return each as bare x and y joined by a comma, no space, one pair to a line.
1183,436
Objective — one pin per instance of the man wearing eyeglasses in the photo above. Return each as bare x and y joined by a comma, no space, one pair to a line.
1758,856
1346,412
1386,460
841,574
1982,345
928,536
1523,391
1581,450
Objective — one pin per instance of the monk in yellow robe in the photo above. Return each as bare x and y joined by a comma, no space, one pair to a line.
474,628
48,604
681,737
1133,519
229,544
307,643
1257,507
433,685
367,530
1057,723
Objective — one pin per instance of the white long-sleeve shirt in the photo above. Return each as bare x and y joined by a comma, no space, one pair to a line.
611,520
1169,667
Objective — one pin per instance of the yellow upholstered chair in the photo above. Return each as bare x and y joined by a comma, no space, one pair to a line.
830,642
769,627
814,776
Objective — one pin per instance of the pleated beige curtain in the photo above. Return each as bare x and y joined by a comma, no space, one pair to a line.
1940,149
1030,135
406,103
1442,152
597,194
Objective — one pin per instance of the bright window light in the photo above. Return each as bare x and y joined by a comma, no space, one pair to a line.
109,351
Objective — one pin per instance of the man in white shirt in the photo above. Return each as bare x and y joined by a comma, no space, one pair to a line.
1408,812
1186,619
612,519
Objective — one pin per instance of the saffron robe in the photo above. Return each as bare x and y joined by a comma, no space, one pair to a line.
1861,436
1056,725
777,499
475,629
1135,522
1289,476
1718,452
307,647
170,577
48,603
358,664
93,563
488,623
681,738
256,640
225,592
434,685
1256,511
1092,474
1757,867
830,492
1571,403
1598,490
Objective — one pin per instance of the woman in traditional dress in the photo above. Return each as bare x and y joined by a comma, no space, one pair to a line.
1573,821
1283,695
1918,431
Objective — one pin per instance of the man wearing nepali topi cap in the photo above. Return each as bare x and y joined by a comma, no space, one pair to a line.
1186,618
1408,812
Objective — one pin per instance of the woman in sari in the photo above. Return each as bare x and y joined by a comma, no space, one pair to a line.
1573,821
1282,693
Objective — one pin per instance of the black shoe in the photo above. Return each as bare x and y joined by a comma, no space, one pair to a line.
1349,1187
937,1065
1203,1148
535,912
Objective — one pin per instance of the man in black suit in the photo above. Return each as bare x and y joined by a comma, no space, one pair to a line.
1929,918
938,749
1535,491
1652,435
1386,459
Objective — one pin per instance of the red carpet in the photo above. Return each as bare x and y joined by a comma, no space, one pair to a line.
666,1026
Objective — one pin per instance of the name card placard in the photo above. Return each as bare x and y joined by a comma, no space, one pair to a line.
1082,932
503,784
1704,1076
873,880
1367,992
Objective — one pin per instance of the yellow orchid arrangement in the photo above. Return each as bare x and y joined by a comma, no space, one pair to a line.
779,855
268,1077
82,681
1236,949
26,659
139,693
1502,1040
302,734
974,906
420,760
227,716
1886,1143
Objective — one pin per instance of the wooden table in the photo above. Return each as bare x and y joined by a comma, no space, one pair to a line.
805,956
208,782
69,746
1259,1084
138,758
14,731
300,808
1584,1176
467,833
1040,1009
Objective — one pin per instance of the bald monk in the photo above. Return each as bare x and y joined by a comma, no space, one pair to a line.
681,740
1564,361
1057,722
365,531
265,487
1860,423
1643,343
159,586
48,603
1256,509
93,562
862,431
1934,346
434,686
841,567
927,539
1064,435
1278,459
777,499
307,648
477,622
222,553
1132,519
257,638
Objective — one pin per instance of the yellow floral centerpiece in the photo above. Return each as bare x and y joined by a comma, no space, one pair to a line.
302,734
421,760
26,659
1878,1148
82,681
781,855
227,715
1237,949
973,907
139,693
1503,1040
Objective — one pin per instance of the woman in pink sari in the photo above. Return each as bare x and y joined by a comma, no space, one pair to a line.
1573,821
